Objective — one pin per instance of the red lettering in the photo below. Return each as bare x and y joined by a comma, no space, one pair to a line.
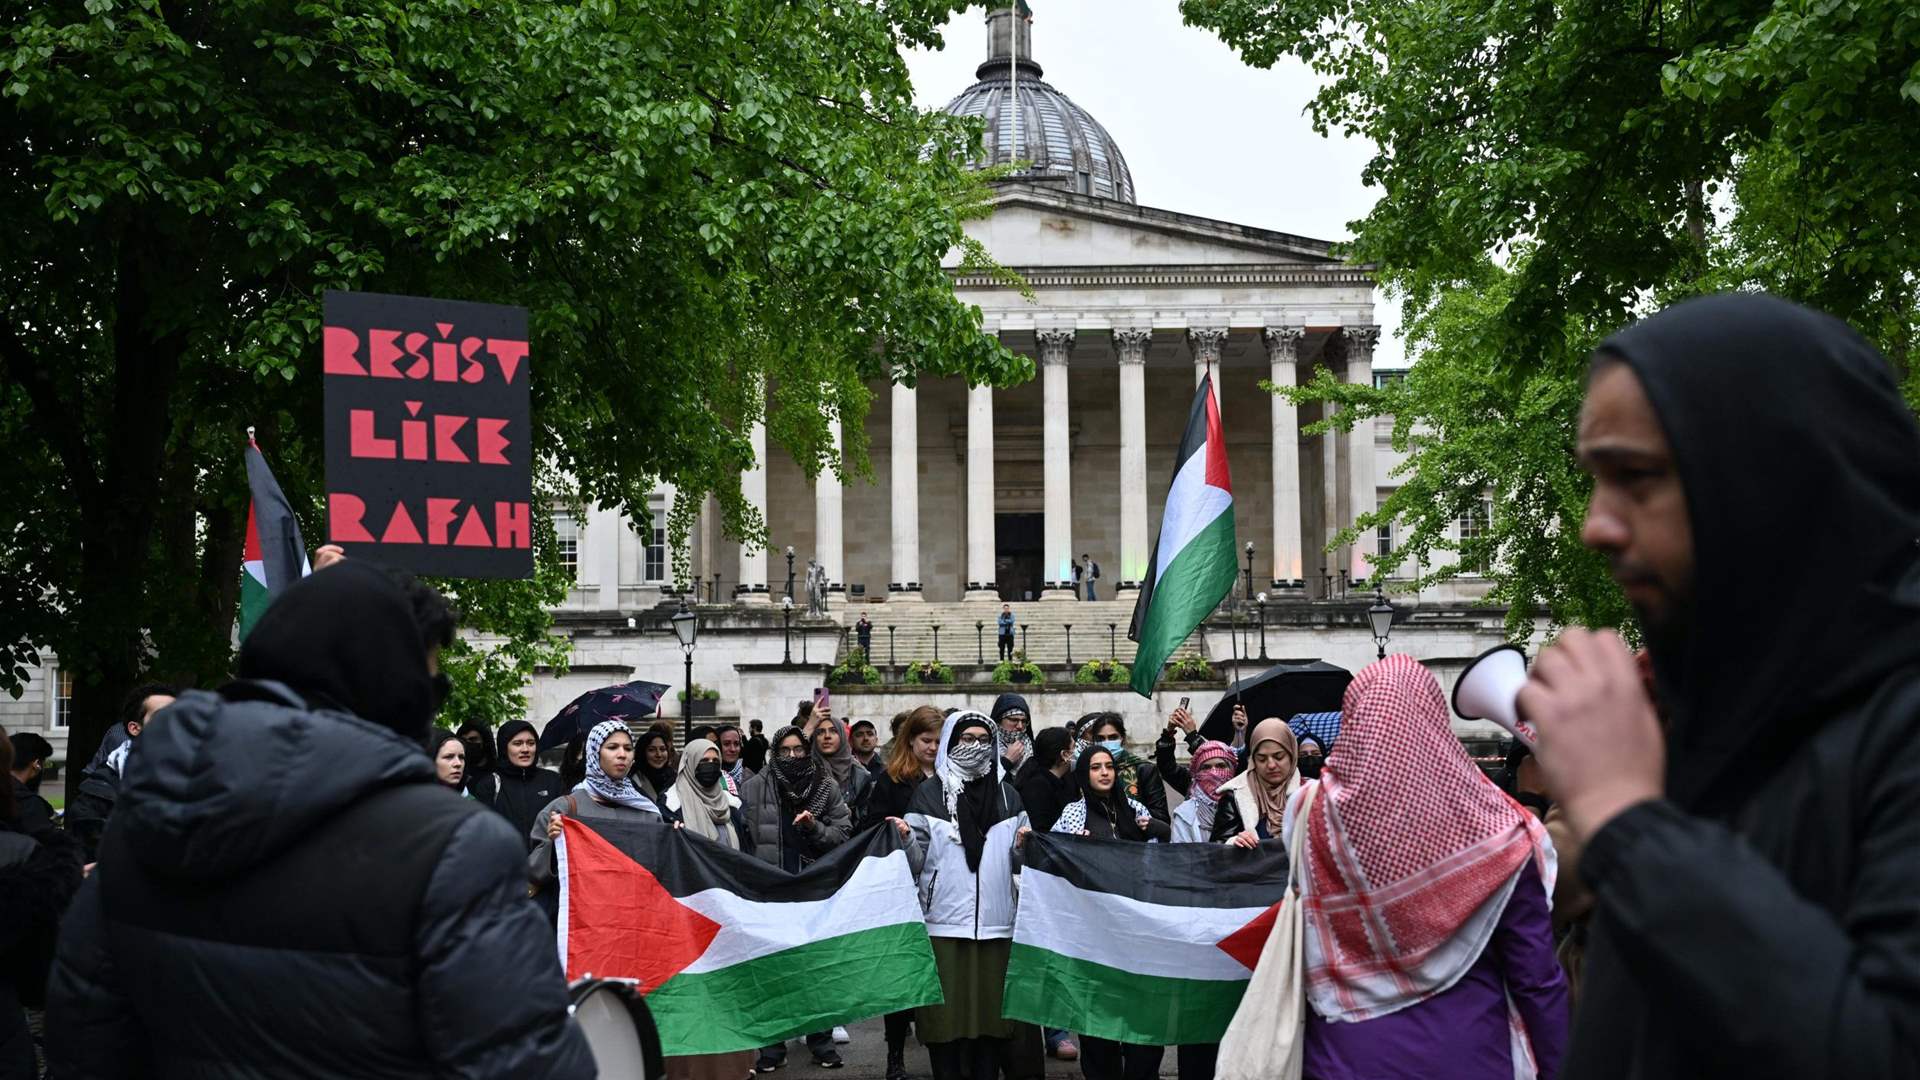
400,527
474,370
446,358
445,328
342,348
383,350
343,518
413,440
421,365
361,441
444,429
440,514
491,442
511,525
473,531
509,353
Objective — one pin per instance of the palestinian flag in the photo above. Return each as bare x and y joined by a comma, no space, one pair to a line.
276,557
1193,566
733,953
1142,943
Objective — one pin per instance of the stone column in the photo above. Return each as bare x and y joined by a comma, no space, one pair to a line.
603,545
752,588
981,572
1131,345
828,545
1057,555
1207,343
905,450
1283,353
1360,491
1331,357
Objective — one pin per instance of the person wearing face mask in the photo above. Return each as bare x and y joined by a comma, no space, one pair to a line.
699,799
653,768
1312,756
287,831
449,754
968,827
1212,766
607,792
1011,713
1253,805
1138,779
480,760
521,788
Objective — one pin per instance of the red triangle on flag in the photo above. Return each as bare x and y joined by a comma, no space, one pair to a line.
252,551
1245,943
621,922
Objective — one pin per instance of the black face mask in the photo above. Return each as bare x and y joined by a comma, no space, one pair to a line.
707,773
442,688
1310,768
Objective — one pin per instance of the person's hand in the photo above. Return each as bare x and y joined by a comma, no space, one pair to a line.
1085,832
1143,821
1020,838
1598,740
1248,839
327,554
553,824
803,820
1016,751
1239,718
678,825
87,870
905,830
1182,718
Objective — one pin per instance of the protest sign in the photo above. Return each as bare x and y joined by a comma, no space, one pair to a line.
427,420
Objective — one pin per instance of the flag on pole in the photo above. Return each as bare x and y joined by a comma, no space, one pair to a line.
733,953
1190,920
276,557
1193,566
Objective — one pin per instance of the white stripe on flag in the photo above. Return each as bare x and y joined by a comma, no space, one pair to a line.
880,893
1121,932
1192,505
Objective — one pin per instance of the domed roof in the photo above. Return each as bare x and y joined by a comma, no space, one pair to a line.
1058,138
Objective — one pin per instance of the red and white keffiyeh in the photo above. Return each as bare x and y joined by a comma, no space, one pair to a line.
1411,852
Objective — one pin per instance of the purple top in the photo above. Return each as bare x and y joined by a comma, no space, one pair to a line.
1461,1033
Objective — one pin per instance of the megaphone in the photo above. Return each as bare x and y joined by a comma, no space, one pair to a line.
1488,690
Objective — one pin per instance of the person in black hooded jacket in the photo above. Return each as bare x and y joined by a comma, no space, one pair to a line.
1755,867
521,789
284,889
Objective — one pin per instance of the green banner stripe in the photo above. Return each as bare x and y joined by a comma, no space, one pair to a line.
1059,991
1185,595
837,980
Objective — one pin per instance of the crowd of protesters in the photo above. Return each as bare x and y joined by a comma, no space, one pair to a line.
299,875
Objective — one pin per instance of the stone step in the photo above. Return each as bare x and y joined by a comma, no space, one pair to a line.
968,630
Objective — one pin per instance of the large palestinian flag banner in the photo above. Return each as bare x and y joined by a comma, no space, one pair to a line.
275,556
1193,565
732,953
1141,943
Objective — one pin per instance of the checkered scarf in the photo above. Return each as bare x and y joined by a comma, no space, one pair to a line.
1410,854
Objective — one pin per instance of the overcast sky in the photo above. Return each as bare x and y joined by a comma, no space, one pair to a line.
1203,133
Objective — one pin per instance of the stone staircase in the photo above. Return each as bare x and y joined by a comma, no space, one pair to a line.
1046,636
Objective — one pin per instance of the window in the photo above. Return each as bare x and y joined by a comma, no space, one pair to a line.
1388,377
567,535
1475,524
63,700
1383,542
655,567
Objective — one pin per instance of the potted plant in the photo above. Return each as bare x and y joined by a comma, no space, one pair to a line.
706,702
855,669
1099,672
928,671
1018,670
1190,669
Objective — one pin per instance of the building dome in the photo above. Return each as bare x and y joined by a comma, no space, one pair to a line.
1058,139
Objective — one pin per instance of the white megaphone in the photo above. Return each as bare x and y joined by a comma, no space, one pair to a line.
1488,690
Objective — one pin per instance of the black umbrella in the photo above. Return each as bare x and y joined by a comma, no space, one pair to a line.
1284,690
628,701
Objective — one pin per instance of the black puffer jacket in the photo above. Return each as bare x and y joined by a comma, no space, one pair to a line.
519,793
38,877
287,892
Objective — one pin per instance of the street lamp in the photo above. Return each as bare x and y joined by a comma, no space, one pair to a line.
1343,583
1262,600
1113,650
789,571
1380,619
1249,568
936,643
1069,627
686,627
893,662
786,629
980,640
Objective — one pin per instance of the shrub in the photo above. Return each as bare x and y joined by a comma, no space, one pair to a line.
928,671
855,669
1095,672
1003,672
700,693
1190,669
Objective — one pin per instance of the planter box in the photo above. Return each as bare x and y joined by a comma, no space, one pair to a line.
703,707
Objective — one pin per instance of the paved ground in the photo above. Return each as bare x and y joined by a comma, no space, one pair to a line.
866,1059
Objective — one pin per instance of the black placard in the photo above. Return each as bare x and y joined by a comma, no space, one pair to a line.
427,426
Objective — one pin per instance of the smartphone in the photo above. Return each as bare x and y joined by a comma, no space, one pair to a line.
1187,704
822,699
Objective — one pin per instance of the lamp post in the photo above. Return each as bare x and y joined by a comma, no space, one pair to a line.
686,627
892,661
1023,638
1249,568
1069,627
936,643
789,571
786,629
980,640
1262,600
1380,621
1113,650
1343,583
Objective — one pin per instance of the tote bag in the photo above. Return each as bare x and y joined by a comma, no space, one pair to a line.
1266,1039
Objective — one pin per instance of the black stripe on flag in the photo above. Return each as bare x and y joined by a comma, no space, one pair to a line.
1192,441
685,864
1173,875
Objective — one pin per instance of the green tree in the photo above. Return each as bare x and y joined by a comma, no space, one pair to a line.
696,199
1549,172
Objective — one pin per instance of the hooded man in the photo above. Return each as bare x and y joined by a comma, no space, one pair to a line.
287,891
93,804
1757,493
1015,721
